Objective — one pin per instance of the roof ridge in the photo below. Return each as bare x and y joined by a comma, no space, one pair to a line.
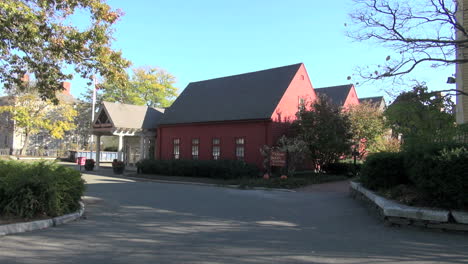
234,97
349,84
245,73
118,103
378,96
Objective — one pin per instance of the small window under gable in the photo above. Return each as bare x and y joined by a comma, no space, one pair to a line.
102,120
301,104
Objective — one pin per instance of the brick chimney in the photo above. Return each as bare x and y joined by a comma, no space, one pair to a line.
66,88
25,78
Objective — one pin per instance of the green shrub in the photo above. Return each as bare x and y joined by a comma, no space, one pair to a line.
442,177
384,170
438,172
220,169
89,164
38,189
340,168
433,148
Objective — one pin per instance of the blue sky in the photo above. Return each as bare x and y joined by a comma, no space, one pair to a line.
203,39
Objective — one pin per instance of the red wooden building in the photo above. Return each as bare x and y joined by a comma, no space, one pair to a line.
342,95
233,117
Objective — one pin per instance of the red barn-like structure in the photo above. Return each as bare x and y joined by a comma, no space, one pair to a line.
342,95
233,117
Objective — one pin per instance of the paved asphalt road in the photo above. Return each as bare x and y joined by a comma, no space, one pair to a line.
147,222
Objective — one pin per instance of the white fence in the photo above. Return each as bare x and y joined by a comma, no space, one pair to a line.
4,152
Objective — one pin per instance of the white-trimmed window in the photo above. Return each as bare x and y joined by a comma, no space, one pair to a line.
240,148
195,148
176,148
216,150
301,104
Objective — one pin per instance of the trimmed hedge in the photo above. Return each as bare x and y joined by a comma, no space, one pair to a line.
38,189
442,178
440,175
341,168
384,170
222,169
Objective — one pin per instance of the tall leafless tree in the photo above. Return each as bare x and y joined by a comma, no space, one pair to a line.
420,32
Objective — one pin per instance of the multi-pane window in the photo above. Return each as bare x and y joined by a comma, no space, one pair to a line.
195,148
216,149
176,152
240,148
301,104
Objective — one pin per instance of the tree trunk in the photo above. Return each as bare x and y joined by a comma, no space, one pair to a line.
25,145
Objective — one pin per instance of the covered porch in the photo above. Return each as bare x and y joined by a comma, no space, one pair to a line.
135,127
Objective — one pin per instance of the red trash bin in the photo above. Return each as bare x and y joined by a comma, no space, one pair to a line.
81,161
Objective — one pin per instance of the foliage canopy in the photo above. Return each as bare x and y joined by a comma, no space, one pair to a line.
33,115
149,86
421,116
326,131
367,123
39,37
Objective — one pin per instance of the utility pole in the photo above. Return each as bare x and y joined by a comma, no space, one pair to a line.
92,115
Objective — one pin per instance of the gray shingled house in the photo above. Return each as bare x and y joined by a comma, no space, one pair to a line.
377,101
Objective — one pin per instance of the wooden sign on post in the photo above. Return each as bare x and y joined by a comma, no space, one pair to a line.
278,159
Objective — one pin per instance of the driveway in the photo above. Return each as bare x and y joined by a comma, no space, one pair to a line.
147,222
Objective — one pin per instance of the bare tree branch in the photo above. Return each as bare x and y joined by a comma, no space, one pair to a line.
418,31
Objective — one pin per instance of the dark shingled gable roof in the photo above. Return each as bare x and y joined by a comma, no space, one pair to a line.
372,100
337,94
247,96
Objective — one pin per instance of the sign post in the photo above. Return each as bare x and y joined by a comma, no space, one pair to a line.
278,159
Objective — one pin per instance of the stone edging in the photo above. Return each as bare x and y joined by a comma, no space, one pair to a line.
397,213
41,224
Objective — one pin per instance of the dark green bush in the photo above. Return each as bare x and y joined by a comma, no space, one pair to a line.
340,168
221,169
432,148
384,170
442,177
89,164
38,189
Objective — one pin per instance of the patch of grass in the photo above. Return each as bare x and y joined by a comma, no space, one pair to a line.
301,179
409,195
404,194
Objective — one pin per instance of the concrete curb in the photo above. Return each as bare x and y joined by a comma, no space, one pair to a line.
460,217
41,224
412,215
394,209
